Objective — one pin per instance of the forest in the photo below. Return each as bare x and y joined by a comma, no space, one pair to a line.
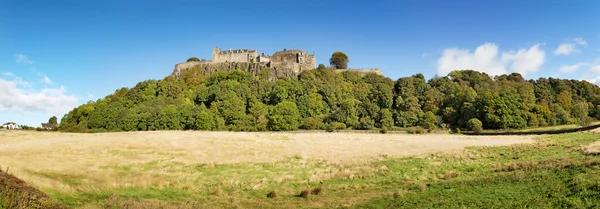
323,99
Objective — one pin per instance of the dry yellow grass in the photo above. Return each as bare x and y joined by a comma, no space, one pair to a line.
593,149
70,162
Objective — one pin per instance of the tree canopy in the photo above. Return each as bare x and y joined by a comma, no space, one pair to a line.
324,99
339,60
193,59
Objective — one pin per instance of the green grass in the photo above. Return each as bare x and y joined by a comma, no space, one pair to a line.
553,172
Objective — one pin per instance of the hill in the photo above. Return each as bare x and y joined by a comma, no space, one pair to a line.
325,99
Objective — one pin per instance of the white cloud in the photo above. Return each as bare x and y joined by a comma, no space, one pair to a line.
486,58
17,97
46,80
593,74
566,49
22,59
570,48
580,41
570,68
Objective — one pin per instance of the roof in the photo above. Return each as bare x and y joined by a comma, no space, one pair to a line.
9,123
46,125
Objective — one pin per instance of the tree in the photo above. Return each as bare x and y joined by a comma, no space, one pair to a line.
321,67
339,60
284,117
193,59
475,125
53,121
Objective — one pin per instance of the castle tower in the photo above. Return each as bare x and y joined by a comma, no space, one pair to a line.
215,55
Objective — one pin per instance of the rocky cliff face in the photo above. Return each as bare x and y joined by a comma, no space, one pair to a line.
208,68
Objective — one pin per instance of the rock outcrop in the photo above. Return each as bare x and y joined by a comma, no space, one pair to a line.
208,68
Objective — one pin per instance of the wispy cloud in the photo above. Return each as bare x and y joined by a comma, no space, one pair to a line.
46,80
570,48
22,59
580,41
487,58
570,68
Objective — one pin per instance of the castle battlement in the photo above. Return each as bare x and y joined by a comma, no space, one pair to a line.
285,63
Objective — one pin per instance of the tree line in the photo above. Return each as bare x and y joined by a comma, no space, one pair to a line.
325,99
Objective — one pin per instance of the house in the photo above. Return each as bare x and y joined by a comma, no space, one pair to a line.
10,125
47,126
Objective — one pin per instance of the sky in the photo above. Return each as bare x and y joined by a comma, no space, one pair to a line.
56,55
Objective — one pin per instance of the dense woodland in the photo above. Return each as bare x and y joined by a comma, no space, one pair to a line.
325,99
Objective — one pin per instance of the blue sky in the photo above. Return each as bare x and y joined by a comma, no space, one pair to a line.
57,55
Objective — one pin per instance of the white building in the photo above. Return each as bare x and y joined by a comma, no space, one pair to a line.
10,125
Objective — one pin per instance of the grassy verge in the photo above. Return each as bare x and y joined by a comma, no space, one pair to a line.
555,171
15,193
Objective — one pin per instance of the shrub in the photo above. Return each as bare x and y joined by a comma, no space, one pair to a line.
475,125
334,126
193,59
304,193
310,123
383,130
416,130
272,194
317,191
15,193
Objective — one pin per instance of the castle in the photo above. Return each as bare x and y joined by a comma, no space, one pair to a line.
286,63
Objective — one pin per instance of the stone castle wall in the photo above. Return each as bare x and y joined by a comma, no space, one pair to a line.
234,56
295,60
208,68
286,63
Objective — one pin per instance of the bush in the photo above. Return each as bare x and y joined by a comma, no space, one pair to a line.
383,130
193,59
416,130
317,191
336,126
15,193
310,123
272,194
475,125
304,193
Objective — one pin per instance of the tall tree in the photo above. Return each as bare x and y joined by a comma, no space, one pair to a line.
339,60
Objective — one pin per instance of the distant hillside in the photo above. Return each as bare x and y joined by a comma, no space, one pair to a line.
324,99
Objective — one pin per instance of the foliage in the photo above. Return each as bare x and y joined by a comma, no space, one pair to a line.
475,125
339,60
193,59
240,101
335,126
284,117
15,193
416,130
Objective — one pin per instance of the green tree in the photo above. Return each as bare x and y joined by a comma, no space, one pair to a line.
193,59
428,121
339,60
386,119
284,117
475,125
321,67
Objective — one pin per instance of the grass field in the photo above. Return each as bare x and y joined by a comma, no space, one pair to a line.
239,170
